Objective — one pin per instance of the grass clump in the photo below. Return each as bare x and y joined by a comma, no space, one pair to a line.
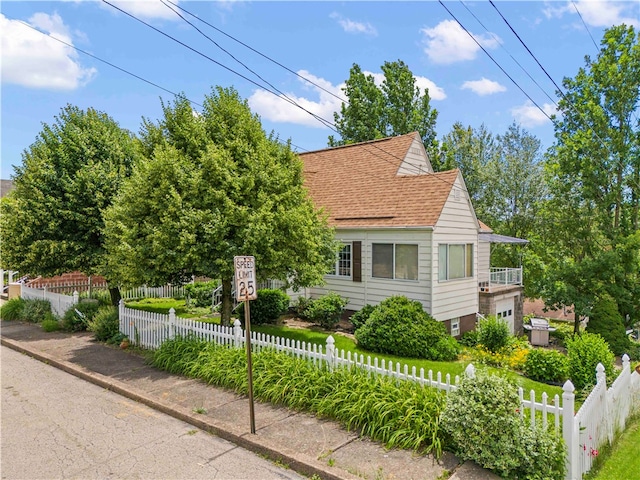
12,310
105,324
77,318
50,324
399,414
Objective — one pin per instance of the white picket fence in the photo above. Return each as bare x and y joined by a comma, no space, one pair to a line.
602,415
59,303
164,291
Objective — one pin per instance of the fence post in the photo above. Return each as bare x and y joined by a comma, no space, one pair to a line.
172,323
76,297
569,432
237,333
601,376
470,371
123,328
331,348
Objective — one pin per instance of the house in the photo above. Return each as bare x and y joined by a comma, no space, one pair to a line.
407,230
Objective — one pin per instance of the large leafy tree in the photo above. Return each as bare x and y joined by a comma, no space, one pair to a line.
214,186
594,175
396,107
52,222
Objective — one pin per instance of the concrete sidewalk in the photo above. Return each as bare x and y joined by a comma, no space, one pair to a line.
307,444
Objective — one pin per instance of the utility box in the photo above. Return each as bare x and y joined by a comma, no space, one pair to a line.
538,331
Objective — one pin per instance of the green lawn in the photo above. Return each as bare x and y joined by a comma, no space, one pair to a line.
162,305
622,461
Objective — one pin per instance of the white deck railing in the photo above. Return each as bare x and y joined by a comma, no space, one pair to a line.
499,277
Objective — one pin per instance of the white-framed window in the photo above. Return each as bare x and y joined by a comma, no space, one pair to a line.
455,327
342,267
397,261
455,261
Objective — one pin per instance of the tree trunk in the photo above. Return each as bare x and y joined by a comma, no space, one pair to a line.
576,322
227,302
115,296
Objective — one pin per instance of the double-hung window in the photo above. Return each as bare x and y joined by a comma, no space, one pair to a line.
394,260
455,261
342,267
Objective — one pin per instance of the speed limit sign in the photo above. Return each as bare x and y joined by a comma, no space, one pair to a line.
245,268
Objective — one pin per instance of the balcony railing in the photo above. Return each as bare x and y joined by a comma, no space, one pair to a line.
499,277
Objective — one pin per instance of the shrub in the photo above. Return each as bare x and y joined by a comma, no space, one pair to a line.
563,330
77,318
400,326
546,366
605,319
493,333
445,349
105,324
361,316
326,310
267,308
200,294
36,310
12,310
50,324
469,339
584,352
483,422
300,308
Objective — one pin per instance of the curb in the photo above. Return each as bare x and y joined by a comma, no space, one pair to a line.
296,461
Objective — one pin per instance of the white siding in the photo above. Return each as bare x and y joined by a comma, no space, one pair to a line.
484,257
457,225
375,290
416,160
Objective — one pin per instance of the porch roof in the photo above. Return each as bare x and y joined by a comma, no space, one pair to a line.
495,238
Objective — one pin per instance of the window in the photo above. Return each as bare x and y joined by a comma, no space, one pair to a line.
342,268
455,327
455,261
395,261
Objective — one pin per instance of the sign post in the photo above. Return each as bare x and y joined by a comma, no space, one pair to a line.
245,269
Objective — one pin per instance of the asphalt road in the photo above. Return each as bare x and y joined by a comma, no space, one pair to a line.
56,426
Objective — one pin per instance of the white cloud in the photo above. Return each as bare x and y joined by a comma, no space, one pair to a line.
146,9
595,13
483,87
350,26
35,60
448,43
528,115
277,109
435,92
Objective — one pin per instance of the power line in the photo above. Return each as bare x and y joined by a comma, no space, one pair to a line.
512,57
418,168
284,95
585,25
259,53
494,61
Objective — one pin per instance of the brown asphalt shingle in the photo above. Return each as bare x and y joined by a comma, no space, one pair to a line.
358,185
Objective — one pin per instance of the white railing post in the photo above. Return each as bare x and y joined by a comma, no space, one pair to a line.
237,333
172,323
601,376
569,430
470,371
331,347
76,297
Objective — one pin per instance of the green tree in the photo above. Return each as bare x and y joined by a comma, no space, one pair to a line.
396,107
215,186
594,176
51,223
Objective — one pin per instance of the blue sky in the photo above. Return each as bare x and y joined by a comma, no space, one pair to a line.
319,41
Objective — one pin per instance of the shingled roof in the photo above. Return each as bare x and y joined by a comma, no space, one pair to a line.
358,185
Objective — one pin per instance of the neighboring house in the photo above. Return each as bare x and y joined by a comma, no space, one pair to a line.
5,187
408,231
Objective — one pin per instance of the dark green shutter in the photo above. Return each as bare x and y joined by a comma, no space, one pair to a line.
357,261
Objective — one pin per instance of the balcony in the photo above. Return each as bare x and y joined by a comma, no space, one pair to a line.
498,278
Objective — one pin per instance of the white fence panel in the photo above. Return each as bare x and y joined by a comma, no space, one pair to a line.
59,303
